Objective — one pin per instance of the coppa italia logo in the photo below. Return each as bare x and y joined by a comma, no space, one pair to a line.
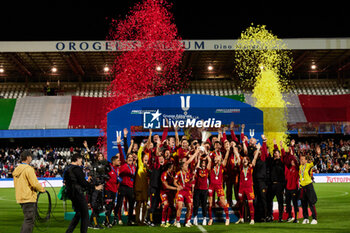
155,119
185,106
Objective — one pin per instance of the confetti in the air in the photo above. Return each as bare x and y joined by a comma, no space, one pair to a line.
264,63
152,51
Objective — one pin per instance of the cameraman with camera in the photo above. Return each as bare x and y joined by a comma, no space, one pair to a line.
76,185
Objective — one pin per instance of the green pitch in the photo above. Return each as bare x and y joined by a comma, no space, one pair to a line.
333,209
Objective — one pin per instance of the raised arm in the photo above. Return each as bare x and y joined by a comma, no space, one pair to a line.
224,137
233,135
242,132
256,154
121,154
263,148
226,155
219,134
192,157
245,146
283,153
177,140
125,139
209,162
237,155
149,140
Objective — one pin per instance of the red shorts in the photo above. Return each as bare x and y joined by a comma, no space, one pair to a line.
246,193
217,189
167,196
184,196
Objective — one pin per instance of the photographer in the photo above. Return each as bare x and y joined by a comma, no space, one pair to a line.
76,185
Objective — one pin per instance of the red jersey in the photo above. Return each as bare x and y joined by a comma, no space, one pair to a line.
181,153
201,179
232,166
169,178
217,175
292,177
111,184
127,173
216,153
184,179
246,177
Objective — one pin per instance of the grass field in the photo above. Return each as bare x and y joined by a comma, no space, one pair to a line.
333,208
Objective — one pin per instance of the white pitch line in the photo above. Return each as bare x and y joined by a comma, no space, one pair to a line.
202,229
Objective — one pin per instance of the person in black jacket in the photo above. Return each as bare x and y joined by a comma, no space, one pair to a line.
260,184
277,179
76,185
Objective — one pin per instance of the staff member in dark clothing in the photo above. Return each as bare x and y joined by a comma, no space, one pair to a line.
76,185
260,186
276,167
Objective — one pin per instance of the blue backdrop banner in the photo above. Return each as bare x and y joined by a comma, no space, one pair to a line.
185,111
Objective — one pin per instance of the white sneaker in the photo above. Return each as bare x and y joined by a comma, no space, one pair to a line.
120,222
188,224
178,225
195,221
252,222
227,222
306,221
204,223
210,222
313,222
241,220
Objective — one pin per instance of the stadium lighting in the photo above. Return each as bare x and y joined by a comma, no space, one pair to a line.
313,67
53,69
159,68
210,67
106,69
2,70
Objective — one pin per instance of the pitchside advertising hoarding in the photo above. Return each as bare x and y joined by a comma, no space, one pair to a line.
318,178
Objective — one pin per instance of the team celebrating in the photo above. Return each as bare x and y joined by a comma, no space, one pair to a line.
172,173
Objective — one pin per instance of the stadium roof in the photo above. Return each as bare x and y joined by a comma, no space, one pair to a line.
78,61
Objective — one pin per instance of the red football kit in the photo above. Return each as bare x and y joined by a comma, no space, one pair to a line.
201,181
167,195
246,183
184,179
216,181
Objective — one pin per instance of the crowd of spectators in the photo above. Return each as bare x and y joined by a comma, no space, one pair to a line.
51,162
47,162
334,154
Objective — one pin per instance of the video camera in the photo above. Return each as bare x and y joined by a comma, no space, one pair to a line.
99,172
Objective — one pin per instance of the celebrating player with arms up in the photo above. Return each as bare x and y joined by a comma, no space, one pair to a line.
167,193
216,184
246,184
307,192
183,181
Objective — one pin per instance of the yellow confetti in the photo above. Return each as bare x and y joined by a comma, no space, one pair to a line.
264,63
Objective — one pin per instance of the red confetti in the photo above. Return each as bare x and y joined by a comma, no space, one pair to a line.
149,39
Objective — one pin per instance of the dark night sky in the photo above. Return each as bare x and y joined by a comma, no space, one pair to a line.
78,20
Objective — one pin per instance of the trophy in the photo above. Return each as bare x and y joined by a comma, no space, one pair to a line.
205,135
